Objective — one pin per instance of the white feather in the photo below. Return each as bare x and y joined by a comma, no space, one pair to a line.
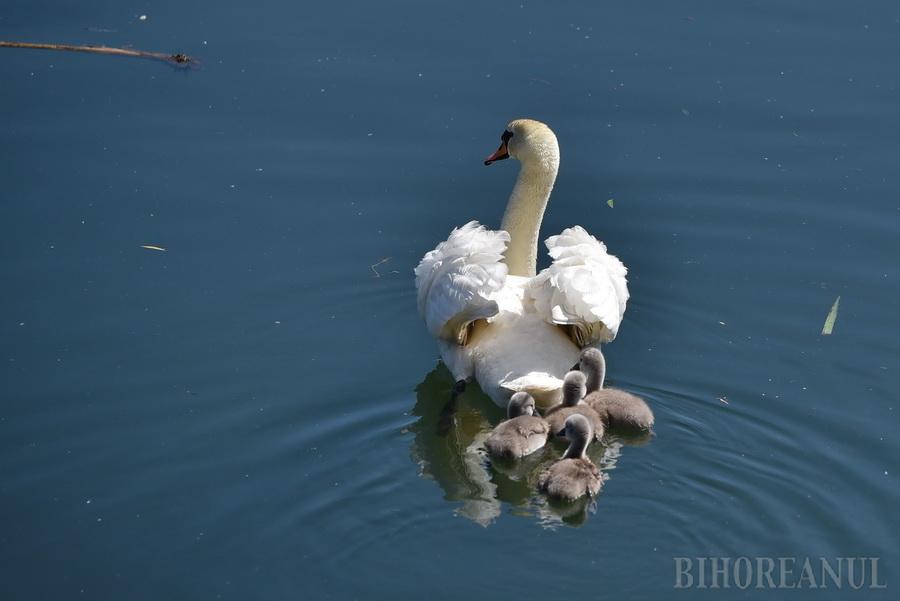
584,289
536,382
456,280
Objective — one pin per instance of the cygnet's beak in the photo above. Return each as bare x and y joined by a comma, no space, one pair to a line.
501,154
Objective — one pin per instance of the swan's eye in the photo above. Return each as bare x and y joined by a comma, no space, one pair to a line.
506,136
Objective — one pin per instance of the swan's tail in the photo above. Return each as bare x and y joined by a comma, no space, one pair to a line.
546,389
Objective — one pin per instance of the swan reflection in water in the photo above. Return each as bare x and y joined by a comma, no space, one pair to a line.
448,446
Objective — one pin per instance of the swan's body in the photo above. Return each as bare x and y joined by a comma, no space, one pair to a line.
574,475
499,321
618,408
574,389
520,435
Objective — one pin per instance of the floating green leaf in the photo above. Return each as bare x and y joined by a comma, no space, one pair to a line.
611,202
832,316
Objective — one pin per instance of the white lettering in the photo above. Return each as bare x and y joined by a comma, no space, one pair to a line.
835,577
806,574
785,571
682,570
719,567
747,571
851,562
792,572
874,562
702,562
760,572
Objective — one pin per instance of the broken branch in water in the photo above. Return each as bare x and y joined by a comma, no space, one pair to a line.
177,60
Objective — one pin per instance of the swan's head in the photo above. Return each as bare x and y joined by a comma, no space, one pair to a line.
520,403
593,365
529,141
579,432
574,388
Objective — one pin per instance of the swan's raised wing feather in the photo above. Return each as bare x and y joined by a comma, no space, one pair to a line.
584,290
456,280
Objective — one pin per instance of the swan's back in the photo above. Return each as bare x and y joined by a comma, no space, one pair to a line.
518,437
556,417
570,479
620,409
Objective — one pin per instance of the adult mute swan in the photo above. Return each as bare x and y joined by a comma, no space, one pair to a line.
495,318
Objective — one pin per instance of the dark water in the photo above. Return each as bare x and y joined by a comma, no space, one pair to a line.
252,414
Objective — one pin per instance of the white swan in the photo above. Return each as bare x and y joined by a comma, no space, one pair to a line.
497,320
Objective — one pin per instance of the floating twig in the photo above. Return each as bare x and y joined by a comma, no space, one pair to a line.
182,61
381,262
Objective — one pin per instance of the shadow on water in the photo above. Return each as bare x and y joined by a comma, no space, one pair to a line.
448,446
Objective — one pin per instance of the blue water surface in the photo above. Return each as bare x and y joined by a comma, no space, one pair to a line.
254,412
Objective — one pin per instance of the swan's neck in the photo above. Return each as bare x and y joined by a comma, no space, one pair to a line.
524,213
576,449
572,395
596,375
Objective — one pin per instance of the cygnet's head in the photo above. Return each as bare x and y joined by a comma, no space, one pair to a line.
593,365
521,403
574,388
579,433
529,141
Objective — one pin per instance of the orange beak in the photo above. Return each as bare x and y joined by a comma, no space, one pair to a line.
499,155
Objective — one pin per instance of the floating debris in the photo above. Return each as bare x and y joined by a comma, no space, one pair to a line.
832,316
152,247
178,60
723,399
611,202
381,262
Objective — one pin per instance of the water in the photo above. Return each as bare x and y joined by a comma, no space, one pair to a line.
253,414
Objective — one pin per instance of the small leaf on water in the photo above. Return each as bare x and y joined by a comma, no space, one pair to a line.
151,247
832,316
611,202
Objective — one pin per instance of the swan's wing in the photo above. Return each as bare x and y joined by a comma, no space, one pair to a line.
456,280
584,290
